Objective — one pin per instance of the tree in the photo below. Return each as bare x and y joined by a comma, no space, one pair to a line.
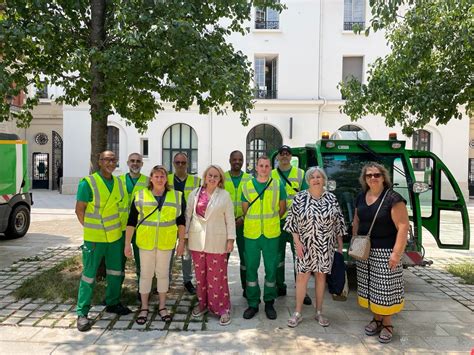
429,73
126,56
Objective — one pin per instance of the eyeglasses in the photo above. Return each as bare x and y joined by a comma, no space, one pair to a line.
135,161
375,176
109,160
179,162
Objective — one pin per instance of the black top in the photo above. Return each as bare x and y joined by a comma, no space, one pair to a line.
179,184
384,232
133,216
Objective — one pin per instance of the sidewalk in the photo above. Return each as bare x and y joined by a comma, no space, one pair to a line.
433,320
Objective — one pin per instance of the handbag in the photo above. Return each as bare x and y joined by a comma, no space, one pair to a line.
359,247
337,279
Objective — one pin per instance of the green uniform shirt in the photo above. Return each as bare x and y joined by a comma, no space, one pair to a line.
131,182
84,191
304,184
237,179
259,186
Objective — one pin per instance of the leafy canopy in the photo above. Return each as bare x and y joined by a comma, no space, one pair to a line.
429,73
168,49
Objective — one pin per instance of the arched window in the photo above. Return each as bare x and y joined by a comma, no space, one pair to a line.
113,141
261,140
421,141
180,137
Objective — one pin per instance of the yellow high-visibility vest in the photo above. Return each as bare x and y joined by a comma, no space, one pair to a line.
103,219
236,193
295,177
192,182
142,183
159,230
263,216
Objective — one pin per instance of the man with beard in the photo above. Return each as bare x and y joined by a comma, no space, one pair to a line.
235,178
134,181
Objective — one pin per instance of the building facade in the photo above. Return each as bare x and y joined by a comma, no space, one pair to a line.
299,57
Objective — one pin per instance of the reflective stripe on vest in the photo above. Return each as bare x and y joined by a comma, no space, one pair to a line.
295,177
192,182
262,217
102,218
142,183
159,230
236,193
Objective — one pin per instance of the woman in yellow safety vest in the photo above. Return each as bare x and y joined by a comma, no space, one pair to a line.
157,213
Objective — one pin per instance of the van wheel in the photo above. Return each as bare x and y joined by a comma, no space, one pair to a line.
19,222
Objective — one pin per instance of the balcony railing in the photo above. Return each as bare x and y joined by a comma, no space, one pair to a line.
349,26
265,94
267,25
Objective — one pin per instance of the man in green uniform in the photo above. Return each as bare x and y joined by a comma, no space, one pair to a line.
292,178
263,203
235,178
101,202
182,181
134,181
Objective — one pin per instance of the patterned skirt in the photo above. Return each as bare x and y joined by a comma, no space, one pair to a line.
378,288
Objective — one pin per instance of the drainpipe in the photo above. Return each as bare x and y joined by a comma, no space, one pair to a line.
320,52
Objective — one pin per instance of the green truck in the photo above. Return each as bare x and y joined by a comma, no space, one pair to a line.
435,202
15,198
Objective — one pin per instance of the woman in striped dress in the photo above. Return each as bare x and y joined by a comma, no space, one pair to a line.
380,278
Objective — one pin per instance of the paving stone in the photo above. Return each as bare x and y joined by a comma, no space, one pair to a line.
15,306
47,307
46,323
127,317
97,308
193,326
3,304
70,315
55,315
38,314
176,326
29,321
63,308
110,316
136,326
11,321
22,313
182,309
101,324
6,312
157,325
121,324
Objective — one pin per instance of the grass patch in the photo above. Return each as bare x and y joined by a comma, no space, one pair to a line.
464,270
62,283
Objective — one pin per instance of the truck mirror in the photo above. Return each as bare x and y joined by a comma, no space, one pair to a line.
419,187
331,185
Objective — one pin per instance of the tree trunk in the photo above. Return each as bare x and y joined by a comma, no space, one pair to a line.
99,109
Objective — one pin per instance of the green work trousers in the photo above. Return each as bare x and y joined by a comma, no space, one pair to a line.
285,237
241,247
269,249
92,254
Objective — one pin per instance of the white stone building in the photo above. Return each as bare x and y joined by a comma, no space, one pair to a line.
299,57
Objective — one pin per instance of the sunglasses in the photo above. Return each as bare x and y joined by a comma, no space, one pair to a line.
375,175
180,162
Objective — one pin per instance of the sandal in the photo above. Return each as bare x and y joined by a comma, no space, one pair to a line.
196,313
166,317
295,319
374,327
225,319
323,321
386,334
142,319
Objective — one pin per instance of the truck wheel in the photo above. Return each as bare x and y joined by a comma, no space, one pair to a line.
19,222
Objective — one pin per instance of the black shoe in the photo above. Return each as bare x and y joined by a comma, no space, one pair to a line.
307,300
83,324
281,292
190,288
270,311
250,312
119,309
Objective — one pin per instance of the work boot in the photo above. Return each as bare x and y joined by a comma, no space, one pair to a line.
281,292
270,310
119,309
250,312
307,300
83,324
190,288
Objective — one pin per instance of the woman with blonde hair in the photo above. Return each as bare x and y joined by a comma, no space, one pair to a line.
210,232
157,213
380,278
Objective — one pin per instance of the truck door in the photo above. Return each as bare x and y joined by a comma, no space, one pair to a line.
443,208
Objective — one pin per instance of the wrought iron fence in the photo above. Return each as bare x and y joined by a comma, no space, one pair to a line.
349,26
265,94
267,25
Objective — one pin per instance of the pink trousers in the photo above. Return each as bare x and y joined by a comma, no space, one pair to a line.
211,280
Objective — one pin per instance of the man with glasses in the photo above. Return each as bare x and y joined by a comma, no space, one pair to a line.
292,178
182,181
134,181
101,203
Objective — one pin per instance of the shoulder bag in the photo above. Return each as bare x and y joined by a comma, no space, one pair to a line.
359,247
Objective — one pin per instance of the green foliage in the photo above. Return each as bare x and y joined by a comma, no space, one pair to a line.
464,271
429,73
174,50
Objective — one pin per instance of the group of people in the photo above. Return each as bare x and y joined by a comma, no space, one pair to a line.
151,218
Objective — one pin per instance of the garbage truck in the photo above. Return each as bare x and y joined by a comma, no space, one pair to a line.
15,198
435,201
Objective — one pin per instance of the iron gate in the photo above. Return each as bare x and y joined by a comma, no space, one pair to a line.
57,161
40,170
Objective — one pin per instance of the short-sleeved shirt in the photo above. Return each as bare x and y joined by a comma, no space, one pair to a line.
286,173
237,179
133,216
259,186
130,182
84,191
384,232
